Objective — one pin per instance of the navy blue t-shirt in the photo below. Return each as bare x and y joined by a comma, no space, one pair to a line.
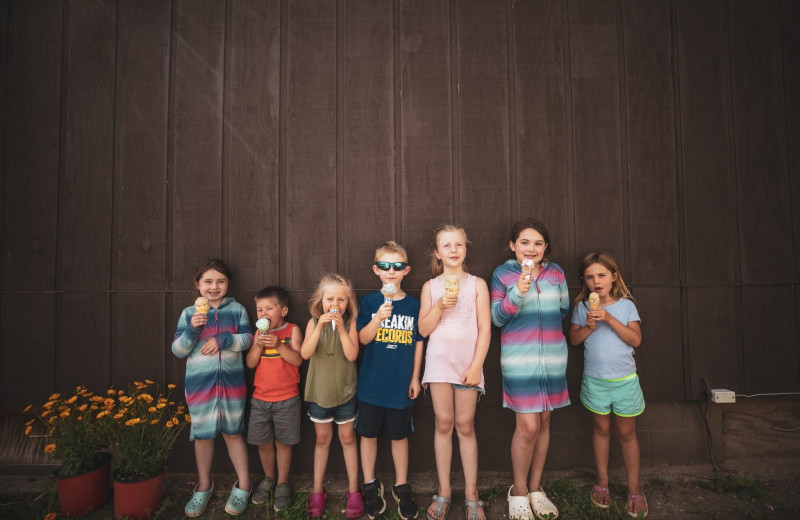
388,362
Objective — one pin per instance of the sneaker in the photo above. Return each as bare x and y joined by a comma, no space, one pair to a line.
373,496
406,507
264,491
283,497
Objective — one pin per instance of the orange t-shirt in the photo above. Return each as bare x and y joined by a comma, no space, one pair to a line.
277,380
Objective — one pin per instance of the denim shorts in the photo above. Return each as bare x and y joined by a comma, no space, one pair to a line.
342,414
621,396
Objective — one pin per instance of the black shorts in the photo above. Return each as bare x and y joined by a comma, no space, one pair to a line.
372,419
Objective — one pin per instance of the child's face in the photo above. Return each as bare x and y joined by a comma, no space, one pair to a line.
451,248
599,279
270,308
392,275
213,285
530,244
335,294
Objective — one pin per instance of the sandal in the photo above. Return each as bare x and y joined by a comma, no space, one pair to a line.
355,505
633,500
197,504
237,502
519,508
441,514
473,505
316,504
543,508
602,501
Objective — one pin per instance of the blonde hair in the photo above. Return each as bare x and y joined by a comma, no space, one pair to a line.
315,302
391,247
436,264
618,288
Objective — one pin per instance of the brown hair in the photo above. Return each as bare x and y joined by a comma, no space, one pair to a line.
273,291
315,302
618,288
530,223
436,264
211,263
391,247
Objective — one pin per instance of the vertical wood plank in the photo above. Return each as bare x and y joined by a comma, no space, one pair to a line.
88,151
790,17
311,175
659,360
483,169
26,327
760,129
138,337
425,126
3,114
197,195
140,159
84,356
712,333
30,173
250,160
368,136
542,124
652,194
706,142
596,128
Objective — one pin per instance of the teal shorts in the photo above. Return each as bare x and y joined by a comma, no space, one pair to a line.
621,396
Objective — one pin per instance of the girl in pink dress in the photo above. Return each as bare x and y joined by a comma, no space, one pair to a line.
454,313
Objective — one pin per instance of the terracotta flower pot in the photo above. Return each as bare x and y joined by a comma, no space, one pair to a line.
138,499
86,492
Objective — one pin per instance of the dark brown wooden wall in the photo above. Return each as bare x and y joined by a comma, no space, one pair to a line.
291,137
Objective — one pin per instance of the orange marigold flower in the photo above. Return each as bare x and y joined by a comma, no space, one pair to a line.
50,516
149,382
188,417
71,399
175,419
29,422
102,414
154,421
119,416
121,392
96,399
169,424
131,422
171,386
27,408
50,448
79,418
65,413
108,403
111,391
54,397
151,409
161,405
145,397
28,430
49,404
83,407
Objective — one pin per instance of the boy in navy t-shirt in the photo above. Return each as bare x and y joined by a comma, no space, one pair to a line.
388,378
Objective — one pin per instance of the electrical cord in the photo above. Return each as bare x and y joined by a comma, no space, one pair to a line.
704,415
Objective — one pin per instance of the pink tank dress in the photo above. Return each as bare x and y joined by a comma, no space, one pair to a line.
451,345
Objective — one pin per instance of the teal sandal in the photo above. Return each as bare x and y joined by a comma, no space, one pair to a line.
237,502
197,504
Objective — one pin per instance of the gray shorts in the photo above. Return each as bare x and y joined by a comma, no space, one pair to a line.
278,421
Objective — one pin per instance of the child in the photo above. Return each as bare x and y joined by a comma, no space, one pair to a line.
215,382
275,410
388,381
529,301
332,346
609,333
454,312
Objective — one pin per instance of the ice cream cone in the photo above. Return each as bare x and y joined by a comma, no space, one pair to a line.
201,305
451,287
527,268
594,301
333,310
263,326
388,291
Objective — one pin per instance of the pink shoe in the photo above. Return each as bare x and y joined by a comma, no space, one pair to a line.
316,504
355,505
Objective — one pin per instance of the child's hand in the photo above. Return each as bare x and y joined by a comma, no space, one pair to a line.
199,320
384,311
524,282
472,377
414,388
210,347
337,319
267,341
448,301
324,320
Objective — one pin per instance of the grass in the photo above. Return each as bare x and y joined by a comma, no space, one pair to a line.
752,489
573,501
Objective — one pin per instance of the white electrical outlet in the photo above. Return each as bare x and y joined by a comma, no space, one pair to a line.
719,395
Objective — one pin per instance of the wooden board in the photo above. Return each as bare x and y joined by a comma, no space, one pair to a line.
790,17
659,359
84,339
138,351
652,196
252,187
712,338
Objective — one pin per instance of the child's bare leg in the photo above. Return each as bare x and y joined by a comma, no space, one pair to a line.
600,444
444,413
284,456
266,452
324,434
347,436
203,455
369,455
522,447
400,459
629,444
465,402
540,448
237,451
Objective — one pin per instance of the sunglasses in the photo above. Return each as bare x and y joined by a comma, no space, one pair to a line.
397,266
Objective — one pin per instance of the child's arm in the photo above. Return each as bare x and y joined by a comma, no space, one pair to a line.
349,338
505,301
256,349
429,314
312,337
368,332
185,337
239,341
291,354
581,325
472,376
414,387
578,333
629,333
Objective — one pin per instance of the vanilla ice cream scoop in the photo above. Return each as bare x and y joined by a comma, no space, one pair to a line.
451,285
388,291
527,267
594,301
201,305
263,326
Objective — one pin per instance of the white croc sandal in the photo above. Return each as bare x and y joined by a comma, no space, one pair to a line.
519,508
543,508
